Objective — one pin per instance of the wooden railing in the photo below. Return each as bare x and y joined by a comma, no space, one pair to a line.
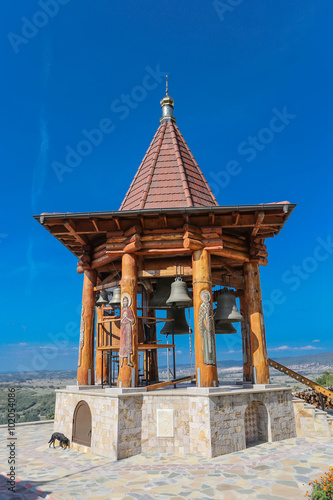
303,380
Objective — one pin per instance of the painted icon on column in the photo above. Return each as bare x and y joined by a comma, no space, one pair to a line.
206,327
127,321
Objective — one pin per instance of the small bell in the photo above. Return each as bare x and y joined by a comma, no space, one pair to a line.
224,328
158,300
179,296
226,310
102,299
179,326
116,296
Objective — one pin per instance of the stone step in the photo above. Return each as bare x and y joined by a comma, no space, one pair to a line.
321,424
312,421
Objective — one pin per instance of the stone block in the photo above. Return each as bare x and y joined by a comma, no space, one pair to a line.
165,423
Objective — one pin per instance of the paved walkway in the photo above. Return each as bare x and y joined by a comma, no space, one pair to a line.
270,471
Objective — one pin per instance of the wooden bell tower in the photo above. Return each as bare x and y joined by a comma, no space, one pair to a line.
168,219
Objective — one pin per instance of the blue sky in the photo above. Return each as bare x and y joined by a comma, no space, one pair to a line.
68,64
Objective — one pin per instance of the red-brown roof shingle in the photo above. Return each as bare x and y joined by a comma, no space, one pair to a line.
168,176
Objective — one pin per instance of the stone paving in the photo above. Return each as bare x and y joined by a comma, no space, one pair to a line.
269,471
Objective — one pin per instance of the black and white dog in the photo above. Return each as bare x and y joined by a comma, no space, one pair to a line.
57,436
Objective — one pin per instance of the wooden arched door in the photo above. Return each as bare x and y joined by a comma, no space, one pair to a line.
82,424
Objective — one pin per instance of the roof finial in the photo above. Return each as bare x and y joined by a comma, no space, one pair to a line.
167,105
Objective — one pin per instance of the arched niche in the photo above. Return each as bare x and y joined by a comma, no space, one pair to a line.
256,423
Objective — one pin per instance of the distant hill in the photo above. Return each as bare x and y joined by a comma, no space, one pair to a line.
42,374
322,358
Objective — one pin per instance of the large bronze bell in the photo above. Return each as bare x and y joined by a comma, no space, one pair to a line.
116,296
179,296
158,300
224,328
226,310
179,326
102,299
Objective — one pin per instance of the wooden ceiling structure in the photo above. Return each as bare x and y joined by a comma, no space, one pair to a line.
163,239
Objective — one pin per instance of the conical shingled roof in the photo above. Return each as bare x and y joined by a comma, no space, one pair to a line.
168,176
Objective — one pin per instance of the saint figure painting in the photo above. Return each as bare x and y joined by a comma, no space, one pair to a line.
127,320
206,327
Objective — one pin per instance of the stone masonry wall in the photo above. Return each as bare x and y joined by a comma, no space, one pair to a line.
129,426
151,442
175,421
227,417
199,425
227,424
104,416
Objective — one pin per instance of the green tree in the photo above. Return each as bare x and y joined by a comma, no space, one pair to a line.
326,379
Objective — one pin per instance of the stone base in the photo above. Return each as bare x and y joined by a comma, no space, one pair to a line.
208,422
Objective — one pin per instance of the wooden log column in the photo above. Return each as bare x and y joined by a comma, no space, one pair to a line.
85,371
128,352
101,333
204,330
246,344
257,325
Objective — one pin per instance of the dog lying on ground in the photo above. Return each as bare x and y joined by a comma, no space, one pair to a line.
57,436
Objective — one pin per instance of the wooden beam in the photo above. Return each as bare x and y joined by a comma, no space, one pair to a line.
234,273
219,280
164,220
259,221
117,223
159,385
134,244
105,259
236,219
106,283
193,244
71,228
164,252
231,254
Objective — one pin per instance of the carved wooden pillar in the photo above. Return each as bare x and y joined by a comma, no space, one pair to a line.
245,329
257,325
100,339
128,353
204,329
85,372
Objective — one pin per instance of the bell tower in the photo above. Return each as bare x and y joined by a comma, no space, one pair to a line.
170,247
169,220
